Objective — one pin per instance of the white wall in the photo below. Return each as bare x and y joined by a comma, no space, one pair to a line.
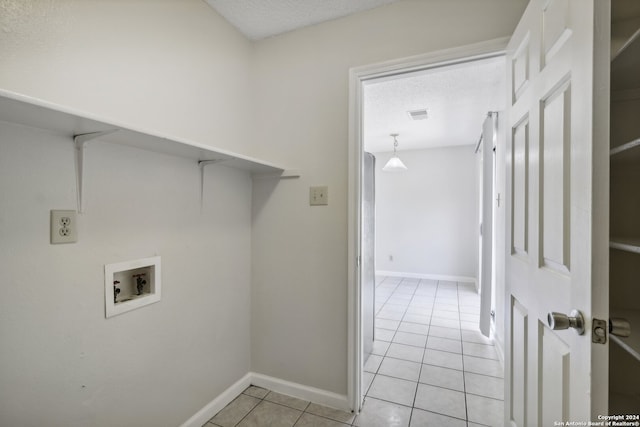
299,253
427,217
173,67
61,362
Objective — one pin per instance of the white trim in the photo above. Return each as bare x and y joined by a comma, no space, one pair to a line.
357,77
354,332
216,405
440,58
446,277
498,344
154,279
311,394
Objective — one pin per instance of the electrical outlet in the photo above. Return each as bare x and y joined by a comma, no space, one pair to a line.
319,196
64,227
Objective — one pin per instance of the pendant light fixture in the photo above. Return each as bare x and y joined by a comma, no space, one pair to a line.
394,164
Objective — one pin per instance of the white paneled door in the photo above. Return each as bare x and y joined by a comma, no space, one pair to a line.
557,211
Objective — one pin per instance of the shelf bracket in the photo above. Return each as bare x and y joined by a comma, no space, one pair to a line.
79,142
201,165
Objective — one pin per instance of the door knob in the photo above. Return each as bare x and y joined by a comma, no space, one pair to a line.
559,321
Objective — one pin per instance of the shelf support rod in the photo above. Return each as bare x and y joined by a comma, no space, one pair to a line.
285,174
624,147
79,142
201,165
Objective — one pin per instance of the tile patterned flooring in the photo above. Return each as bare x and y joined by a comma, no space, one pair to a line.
430,366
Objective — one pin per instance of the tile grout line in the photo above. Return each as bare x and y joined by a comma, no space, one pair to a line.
439,366
387,350
464,378
399,322
366,393
411,407
374,293
257,404
415,393
459,340
415,396
464,386
302,411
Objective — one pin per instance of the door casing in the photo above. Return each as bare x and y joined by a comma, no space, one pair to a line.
358,77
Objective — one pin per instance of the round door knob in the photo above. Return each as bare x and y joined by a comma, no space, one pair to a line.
559,321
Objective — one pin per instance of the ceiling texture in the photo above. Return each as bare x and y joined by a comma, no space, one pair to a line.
457,98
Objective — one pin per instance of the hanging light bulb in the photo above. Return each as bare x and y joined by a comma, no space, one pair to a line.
394,164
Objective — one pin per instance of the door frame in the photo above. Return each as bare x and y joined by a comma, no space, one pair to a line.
488,166
358,77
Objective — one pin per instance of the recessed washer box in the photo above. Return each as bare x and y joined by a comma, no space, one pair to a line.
131,284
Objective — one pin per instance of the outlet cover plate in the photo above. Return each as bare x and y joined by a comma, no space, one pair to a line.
319,196
64,227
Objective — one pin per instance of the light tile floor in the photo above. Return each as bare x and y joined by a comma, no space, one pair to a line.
430,363
258,407
430,366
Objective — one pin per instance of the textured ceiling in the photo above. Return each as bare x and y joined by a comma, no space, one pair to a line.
258,19
457,99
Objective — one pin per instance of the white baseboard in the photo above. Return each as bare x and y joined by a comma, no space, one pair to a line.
312,394
222,400
465,279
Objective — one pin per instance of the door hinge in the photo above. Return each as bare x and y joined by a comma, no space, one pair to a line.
358,261
599,331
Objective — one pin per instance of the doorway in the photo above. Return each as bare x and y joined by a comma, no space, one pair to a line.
445,281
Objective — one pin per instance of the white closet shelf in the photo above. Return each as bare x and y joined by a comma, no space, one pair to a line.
625,244
625,147
630,344
33,112
628,35
625,60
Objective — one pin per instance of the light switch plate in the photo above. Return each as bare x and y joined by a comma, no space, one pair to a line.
64,227
319,196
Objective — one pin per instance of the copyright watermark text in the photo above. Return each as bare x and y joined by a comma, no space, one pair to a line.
604,420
